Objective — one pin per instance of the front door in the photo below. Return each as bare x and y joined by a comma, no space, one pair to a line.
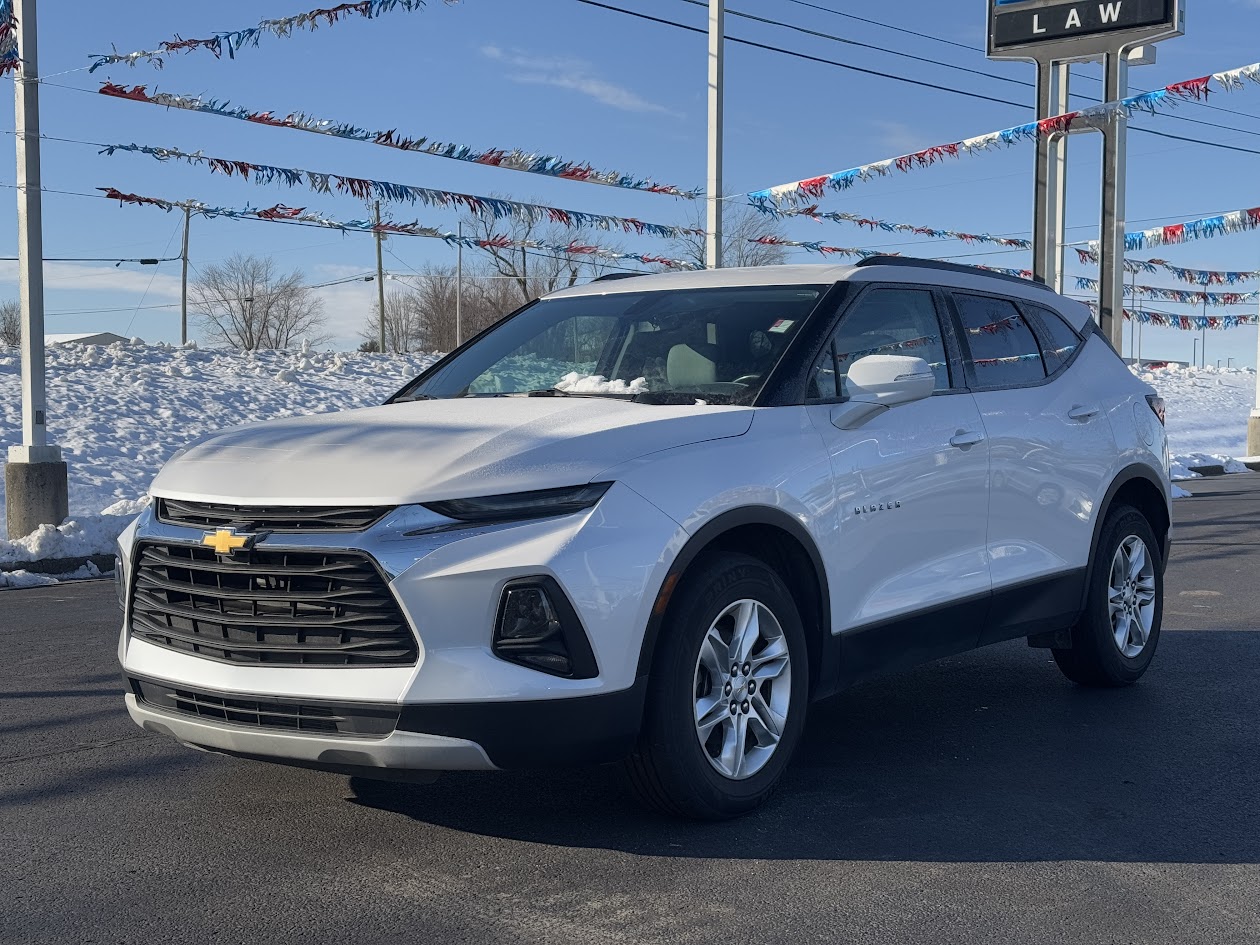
906,558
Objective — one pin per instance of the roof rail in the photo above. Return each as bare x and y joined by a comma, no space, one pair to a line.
913,263
609,277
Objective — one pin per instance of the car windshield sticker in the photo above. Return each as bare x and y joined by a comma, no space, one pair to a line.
782,325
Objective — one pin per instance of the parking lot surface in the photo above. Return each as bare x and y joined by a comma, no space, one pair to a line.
978,799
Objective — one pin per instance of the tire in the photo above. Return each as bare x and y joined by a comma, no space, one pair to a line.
671,769
1095,657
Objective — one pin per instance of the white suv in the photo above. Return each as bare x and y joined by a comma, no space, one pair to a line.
653,519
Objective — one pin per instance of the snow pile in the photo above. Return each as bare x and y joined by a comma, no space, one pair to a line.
575,383
1207,415
118,413
31,579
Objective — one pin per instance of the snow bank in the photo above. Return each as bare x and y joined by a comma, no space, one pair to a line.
30,579
118,413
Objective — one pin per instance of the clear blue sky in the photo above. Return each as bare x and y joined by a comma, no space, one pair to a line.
587,84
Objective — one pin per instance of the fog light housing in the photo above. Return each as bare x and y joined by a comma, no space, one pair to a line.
538,627
120,581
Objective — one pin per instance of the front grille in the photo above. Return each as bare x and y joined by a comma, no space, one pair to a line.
260,712
280,608
273,518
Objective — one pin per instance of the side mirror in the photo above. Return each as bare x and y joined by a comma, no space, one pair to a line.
880,381
889,380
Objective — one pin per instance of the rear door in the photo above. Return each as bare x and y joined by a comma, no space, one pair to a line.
907,554
1050,448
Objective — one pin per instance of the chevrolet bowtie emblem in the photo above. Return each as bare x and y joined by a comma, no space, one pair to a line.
225,541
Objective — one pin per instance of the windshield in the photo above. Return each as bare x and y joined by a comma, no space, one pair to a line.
671,346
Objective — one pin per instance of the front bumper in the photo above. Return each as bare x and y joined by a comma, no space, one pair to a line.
433,737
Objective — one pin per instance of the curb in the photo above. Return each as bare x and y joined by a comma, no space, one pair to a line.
1213,469
104,563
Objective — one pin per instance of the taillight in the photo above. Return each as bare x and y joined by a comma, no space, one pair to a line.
1157,406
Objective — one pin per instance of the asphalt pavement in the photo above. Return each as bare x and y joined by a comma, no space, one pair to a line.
981,799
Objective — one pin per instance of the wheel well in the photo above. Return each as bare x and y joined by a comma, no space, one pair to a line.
784,552
1144,496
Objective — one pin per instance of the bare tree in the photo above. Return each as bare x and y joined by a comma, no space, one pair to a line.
10,322
245,303
404,325
534,273
741,225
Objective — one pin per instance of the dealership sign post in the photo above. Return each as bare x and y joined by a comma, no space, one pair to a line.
1054,34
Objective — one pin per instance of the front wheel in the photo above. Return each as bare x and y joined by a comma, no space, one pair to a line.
727,693
1115,639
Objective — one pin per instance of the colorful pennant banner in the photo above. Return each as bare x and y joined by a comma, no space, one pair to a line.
1191,322
872,224
1236,221
363,188
1198,89
515,159
282,214
818,247
1192,276
234,41
1180,295
8,38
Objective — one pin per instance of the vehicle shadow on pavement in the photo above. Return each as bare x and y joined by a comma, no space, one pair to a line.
992,757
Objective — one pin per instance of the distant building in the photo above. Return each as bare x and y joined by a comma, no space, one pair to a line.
93,338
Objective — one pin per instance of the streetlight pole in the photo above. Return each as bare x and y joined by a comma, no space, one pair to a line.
36,491
713,222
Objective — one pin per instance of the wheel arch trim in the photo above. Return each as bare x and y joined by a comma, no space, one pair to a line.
1136,471
705,537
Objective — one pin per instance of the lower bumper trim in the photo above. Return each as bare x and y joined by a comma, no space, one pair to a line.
394,754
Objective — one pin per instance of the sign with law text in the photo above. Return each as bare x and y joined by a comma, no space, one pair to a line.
1032,28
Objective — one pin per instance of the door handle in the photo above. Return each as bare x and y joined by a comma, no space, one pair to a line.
965,439
1084,413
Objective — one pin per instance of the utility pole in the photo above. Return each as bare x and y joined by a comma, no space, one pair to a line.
1253,422
380,275
36,490
459,286
183,298
713,240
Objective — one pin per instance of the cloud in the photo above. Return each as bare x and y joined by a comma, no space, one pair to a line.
576,75
72,277
896,137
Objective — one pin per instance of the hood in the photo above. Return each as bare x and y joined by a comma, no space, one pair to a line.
435,449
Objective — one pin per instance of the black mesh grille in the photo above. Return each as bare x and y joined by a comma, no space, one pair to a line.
258,712
272,518
281,608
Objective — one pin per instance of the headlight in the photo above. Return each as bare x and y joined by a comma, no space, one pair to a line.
120,578
522,505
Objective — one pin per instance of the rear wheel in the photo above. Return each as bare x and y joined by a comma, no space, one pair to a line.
1115,640
727,694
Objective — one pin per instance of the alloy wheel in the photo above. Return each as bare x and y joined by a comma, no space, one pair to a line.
1131,596
743,688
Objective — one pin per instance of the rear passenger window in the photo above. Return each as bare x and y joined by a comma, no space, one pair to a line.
884,321
1004,350
1059,340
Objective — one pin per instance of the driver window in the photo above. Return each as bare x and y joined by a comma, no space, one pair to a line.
884,321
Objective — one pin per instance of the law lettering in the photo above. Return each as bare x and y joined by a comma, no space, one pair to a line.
1022,25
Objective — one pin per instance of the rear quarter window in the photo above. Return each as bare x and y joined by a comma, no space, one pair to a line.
1003,349
1059,340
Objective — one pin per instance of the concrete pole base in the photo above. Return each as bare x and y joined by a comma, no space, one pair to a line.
1253,434
35,494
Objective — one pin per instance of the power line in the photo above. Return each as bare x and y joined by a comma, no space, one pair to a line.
974,49
801,55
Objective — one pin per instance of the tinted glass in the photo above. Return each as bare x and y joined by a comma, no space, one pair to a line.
1059,340
670,346
884,321
1004,351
